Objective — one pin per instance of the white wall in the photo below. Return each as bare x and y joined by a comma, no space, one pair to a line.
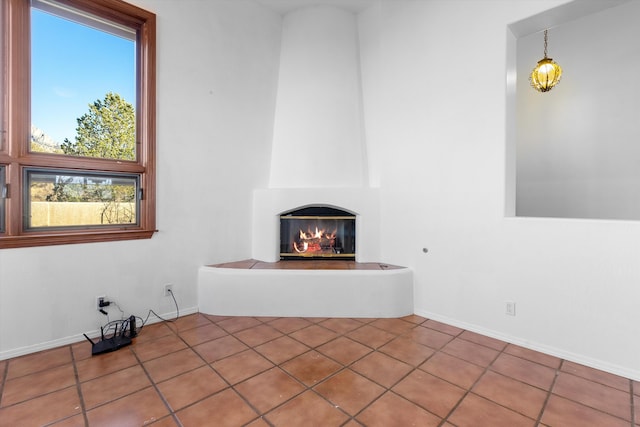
217,69
435,72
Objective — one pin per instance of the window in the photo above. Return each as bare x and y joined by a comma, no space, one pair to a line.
68,199
77,154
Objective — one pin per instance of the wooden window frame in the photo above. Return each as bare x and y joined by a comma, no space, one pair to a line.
15,125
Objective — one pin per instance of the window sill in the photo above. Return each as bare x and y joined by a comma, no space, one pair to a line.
40,239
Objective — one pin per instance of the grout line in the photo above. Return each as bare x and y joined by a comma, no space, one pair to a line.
343,367
414,368
468,390
632,402
558,370
305,388
229,385
4,380
435,351
589,405
83,405
389,388
172,413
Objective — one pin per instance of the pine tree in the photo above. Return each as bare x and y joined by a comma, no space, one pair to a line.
106,131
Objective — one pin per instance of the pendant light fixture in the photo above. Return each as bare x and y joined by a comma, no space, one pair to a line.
547,73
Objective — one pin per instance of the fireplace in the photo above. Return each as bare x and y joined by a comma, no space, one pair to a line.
304,288
317,232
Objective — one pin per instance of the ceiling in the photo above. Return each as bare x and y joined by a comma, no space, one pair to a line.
285,6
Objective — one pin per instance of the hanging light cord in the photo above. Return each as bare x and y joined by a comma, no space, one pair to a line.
545,43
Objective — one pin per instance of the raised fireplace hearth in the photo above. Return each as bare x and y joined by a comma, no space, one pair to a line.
305,289
317,232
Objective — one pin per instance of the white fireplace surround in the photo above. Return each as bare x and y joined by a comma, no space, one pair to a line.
318,118
302,292
268,204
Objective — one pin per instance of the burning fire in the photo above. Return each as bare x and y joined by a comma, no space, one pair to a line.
318,241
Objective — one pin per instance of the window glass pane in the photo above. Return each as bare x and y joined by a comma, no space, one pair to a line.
63,199
3,196
83,85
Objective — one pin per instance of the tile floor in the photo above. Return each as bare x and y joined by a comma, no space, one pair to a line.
245,371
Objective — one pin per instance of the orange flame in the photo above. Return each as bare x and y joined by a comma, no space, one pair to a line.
315,241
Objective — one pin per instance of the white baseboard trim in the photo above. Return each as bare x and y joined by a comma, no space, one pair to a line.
72,339
622,371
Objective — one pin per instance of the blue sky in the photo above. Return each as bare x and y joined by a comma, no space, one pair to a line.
73,66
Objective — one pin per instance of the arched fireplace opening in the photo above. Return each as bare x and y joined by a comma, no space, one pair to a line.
318,232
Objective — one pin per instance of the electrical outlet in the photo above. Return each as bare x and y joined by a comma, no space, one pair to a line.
168,289
510,308
100,301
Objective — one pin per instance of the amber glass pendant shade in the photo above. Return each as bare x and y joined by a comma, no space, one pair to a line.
546,75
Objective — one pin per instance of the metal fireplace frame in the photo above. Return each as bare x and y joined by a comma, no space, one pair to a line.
344,246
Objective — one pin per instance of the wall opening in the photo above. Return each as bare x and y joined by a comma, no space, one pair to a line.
572,152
